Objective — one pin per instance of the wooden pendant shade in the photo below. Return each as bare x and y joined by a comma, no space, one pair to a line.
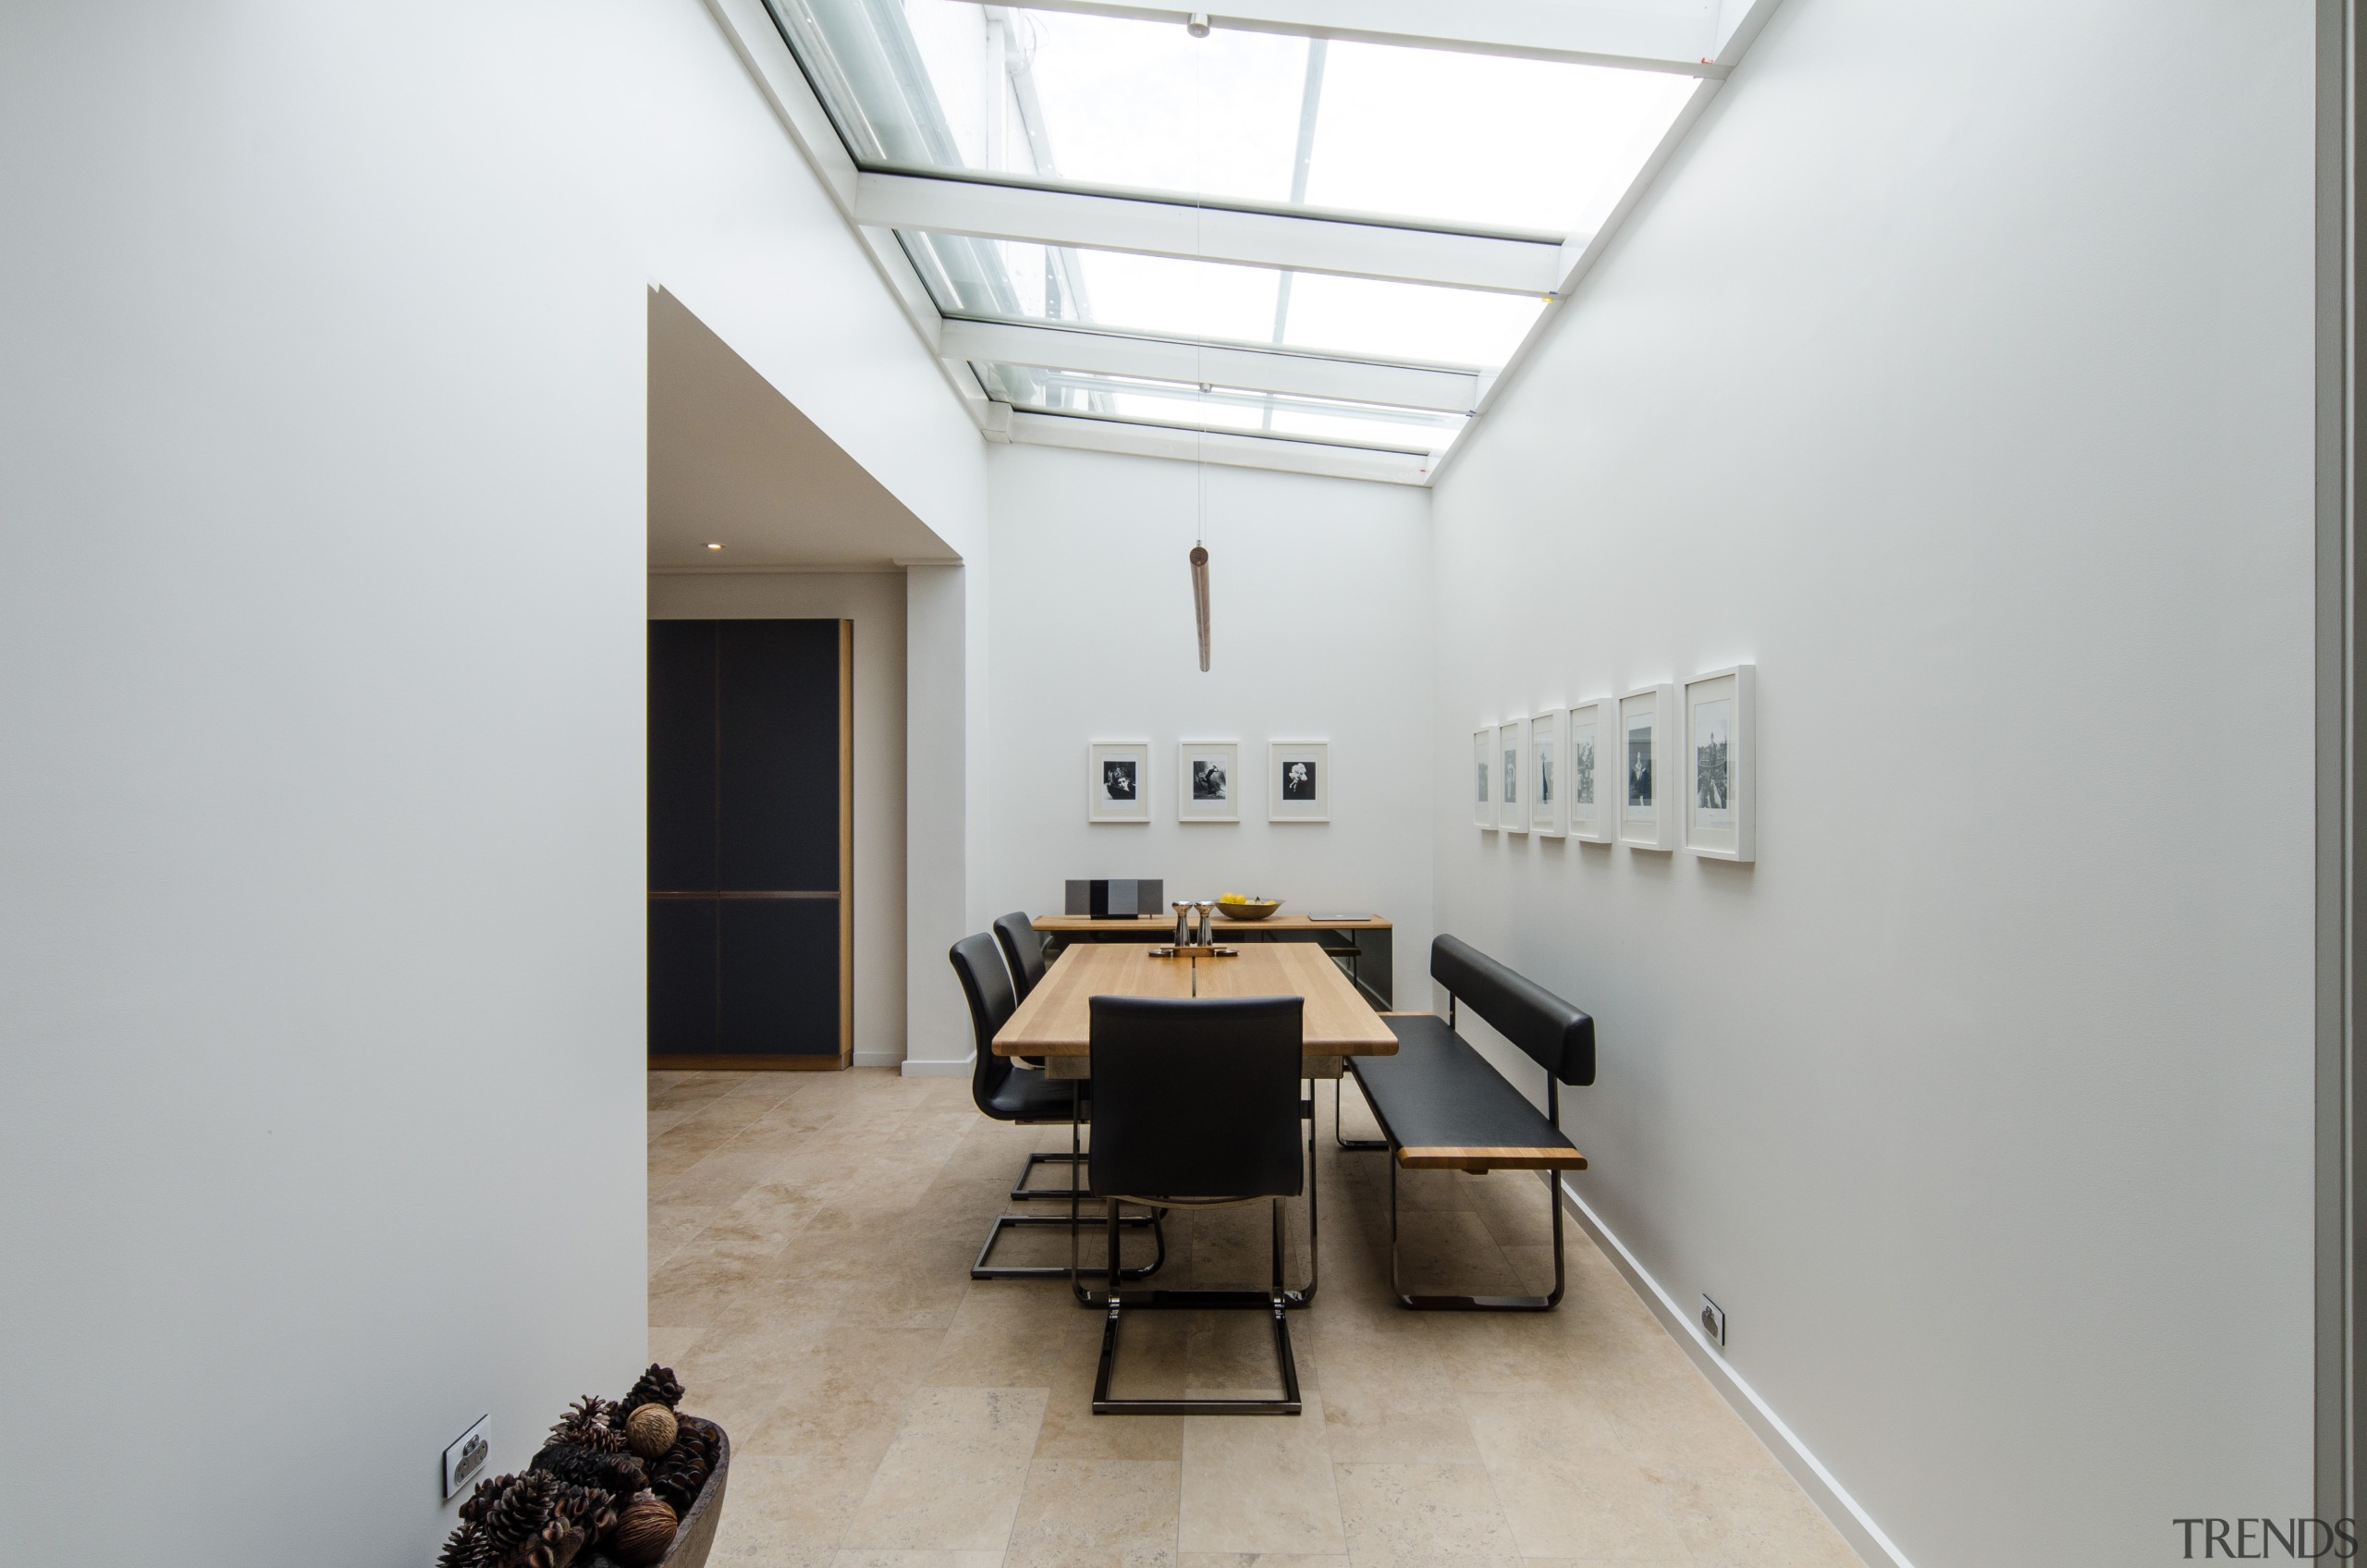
1200,599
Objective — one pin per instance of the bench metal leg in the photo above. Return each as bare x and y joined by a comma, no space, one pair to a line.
1354,1146
1478,1304
1270,1301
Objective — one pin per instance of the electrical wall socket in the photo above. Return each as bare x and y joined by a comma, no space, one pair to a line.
1713,1322
464,1461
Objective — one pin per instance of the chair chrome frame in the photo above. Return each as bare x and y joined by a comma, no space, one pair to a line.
1270,1299
982,1270
1293,1300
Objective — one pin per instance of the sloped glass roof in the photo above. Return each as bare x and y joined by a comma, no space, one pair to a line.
1438,138
1141,399
1215,301
1005,107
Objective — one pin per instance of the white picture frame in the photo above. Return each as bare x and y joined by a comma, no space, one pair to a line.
1111,768
1589,807
1647,801
1512,754
1202,766
1298,781
1483,766
1721,813
1548,776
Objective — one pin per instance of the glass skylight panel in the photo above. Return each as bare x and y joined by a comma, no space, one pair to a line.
1220,302
1230,410
1423,135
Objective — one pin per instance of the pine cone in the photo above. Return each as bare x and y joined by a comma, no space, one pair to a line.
678,1477
461,1550
472,1507
514,1515
617,1475
590,1509
657,1386
586,1424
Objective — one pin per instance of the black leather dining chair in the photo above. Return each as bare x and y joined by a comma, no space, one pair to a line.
1196,1103
1022,950
1008,1092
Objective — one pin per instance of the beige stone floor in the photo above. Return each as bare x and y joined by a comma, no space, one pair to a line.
810,1242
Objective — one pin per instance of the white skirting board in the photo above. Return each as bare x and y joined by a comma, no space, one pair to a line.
879,1059
939,1069
1863,1535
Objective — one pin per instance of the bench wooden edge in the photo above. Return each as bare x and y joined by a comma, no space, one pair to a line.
1433,1157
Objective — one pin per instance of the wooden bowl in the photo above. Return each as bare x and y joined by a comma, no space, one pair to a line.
1249,912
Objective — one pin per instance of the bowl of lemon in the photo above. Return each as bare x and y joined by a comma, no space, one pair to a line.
1254,906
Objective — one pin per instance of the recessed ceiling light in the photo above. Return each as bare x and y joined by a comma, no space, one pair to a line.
715,546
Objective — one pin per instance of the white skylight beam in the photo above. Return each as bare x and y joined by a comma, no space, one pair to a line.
1297,243
1676,38
1303,375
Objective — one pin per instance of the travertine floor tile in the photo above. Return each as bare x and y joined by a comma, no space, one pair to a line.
1096,1514
1423,1516
1260,1483
787,1511
1566,1488
1387,1401
860,1559
950,1481
811,1236
1757,1516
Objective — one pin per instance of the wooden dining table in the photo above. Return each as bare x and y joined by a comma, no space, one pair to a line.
1056,1021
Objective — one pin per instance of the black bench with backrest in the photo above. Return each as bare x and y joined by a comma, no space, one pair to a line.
1443,1108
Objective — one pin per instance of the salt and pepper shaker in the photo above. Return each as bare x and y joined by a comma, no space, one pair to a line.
1184,923
1207,912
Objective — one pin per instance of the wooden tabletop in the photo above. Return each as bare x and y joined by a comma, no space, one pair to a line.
1057,1018
1164,925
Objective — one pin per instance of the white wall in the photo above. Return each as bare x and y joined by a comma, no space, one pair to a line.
1321,598
322,581
874,602
1959,375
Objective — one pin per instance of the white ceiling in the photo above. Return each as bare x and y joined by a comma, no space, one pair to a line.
731,462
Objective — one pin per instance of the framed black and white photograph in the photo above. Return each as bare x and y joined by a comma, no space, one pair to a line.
1207,781
1511,763
1722,763
1483,768
1117,781
1548,787
1646,787
1590,809
1298,785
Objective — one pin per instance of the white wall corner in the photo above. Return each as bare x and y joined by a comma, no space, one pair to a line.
936,808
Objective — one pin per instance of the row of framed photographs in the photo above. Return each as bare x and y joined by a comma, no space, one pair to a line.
1665,766
1207,781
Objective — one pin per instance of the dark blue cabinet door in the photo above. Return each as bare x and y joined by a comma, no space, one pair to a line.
749,776
682,764
682,949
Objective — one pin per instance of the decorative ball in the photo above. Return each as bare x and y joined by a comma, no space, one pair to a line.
650,1431
645,1532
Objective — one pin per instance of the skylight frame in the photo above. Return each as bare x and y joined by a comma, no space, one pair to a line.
1512,27
1434,422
